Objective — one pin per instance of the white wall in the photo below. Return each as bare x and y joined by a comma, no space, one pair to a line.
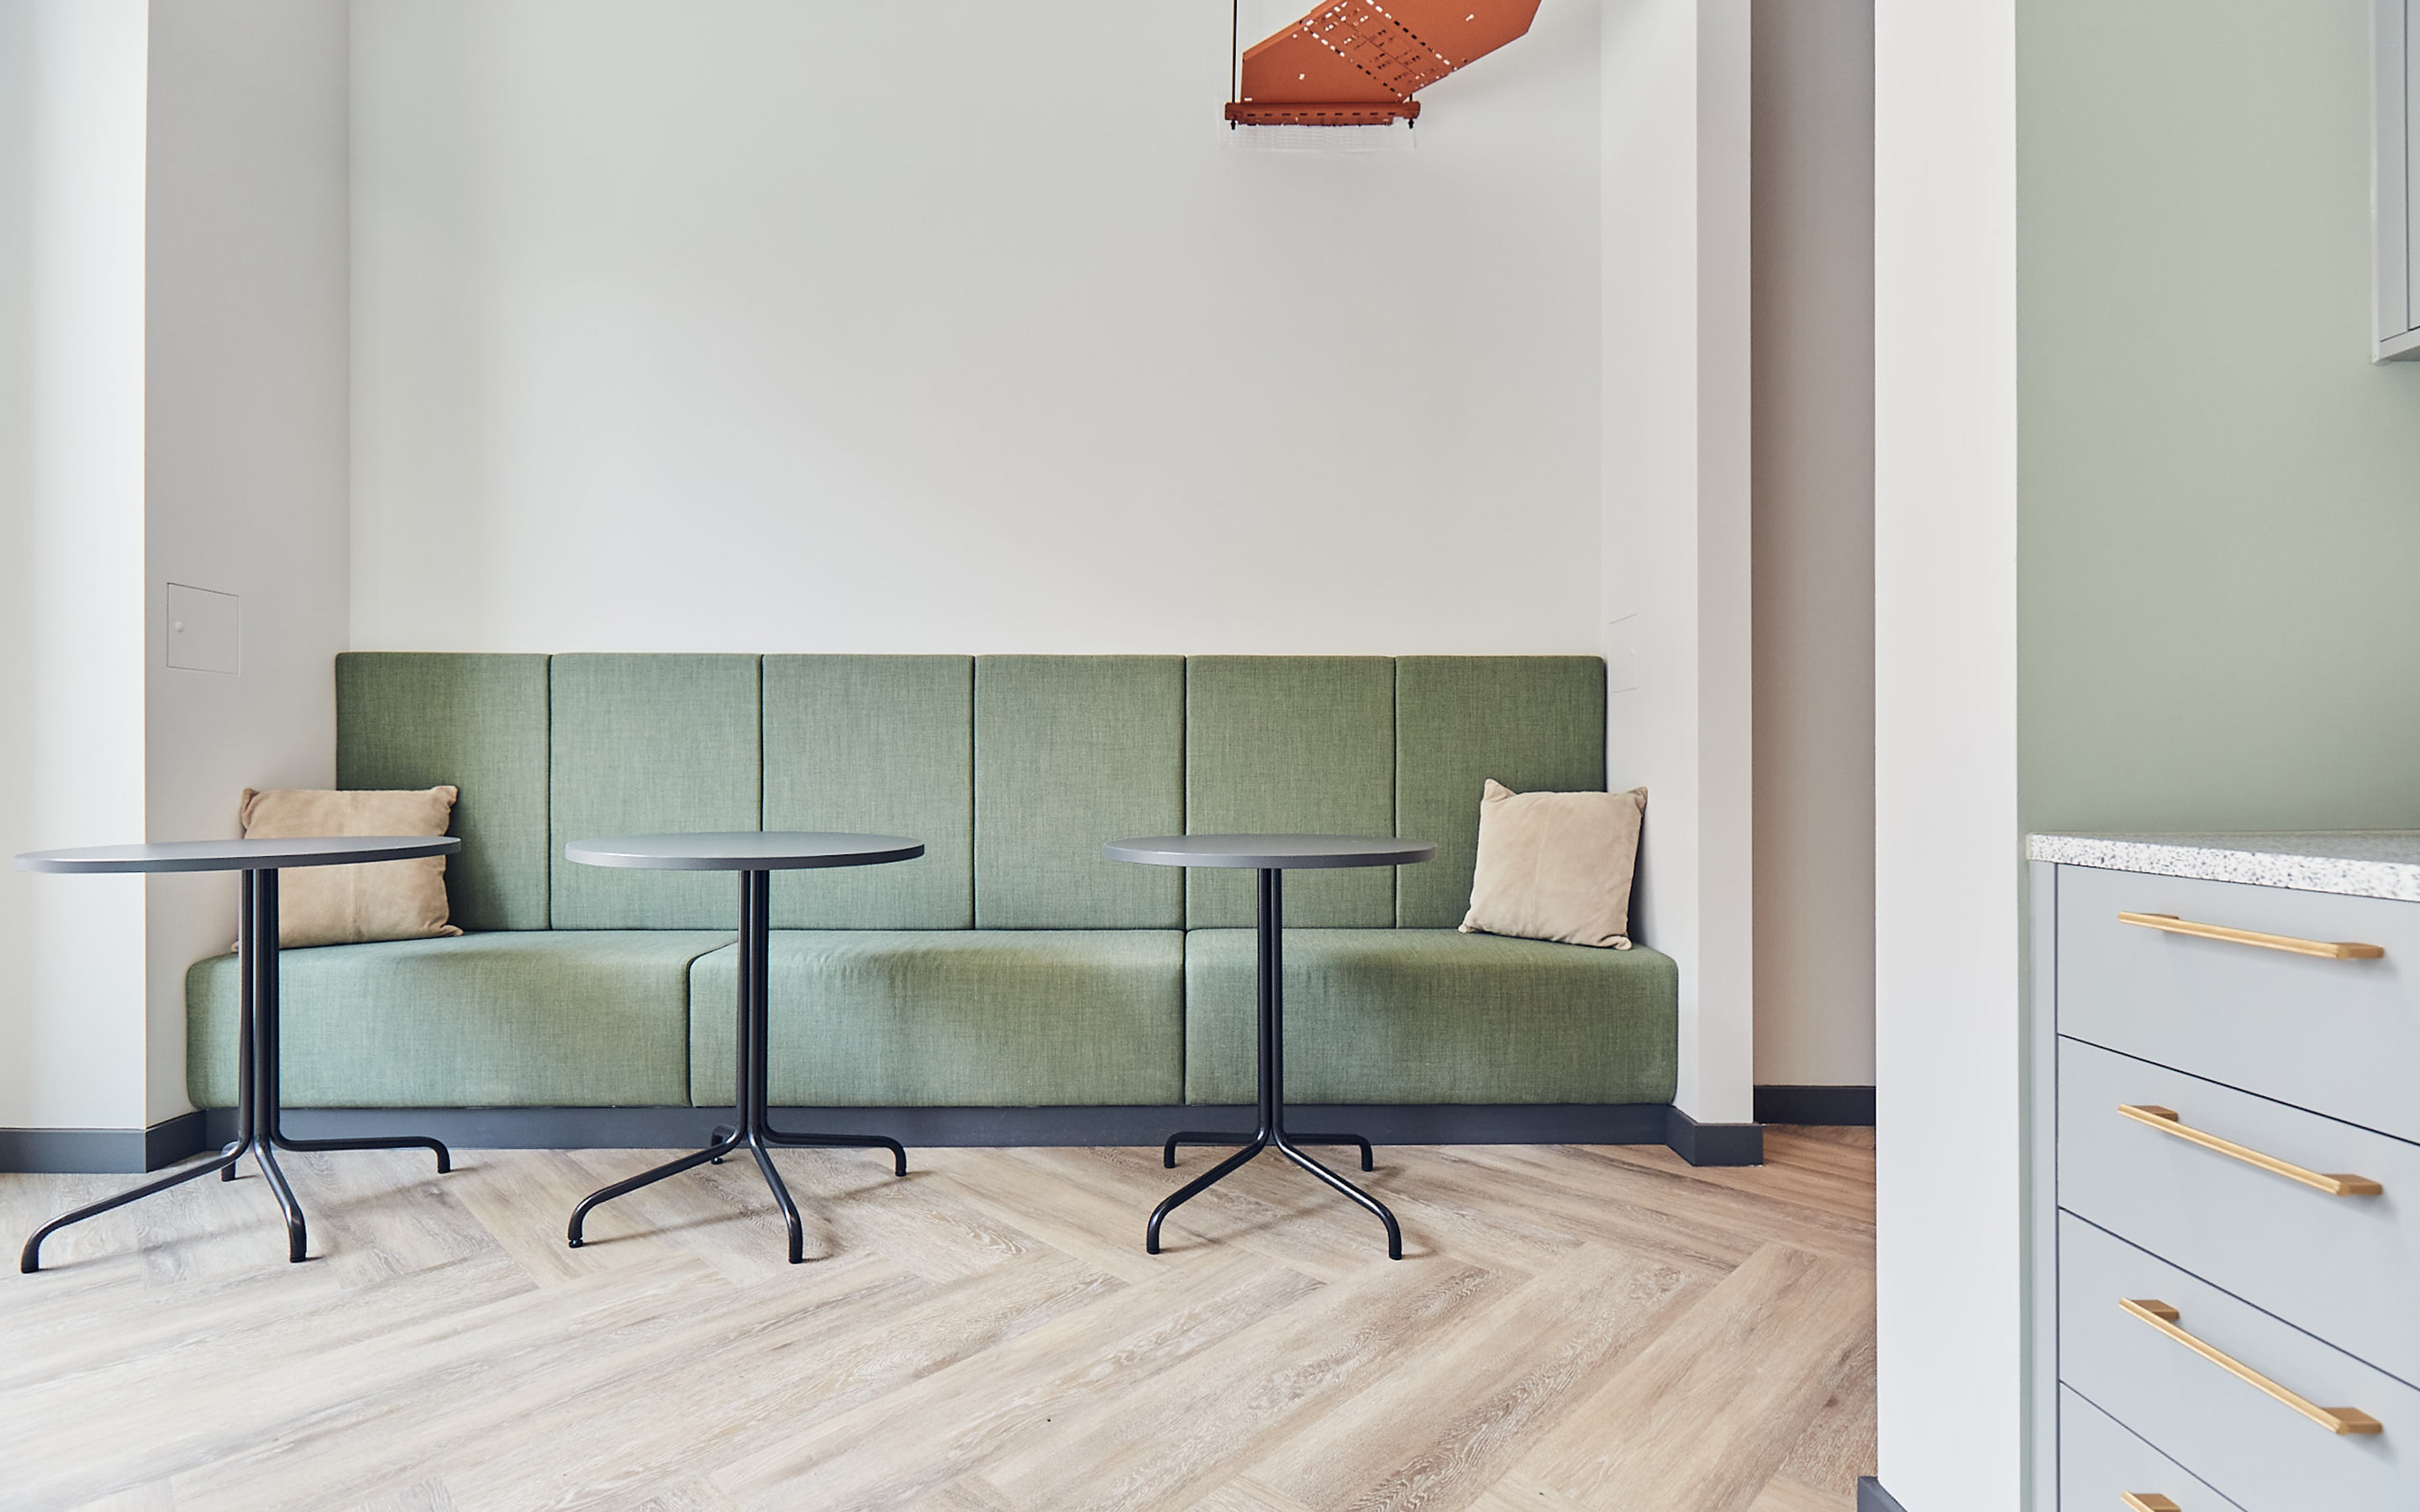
1945,841
172,333
957,327
750,326
245,435
71,756
1675,332
1814,543
754,327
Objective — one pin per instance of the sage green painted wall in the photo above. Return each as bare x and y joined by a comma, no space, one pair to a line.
2219,595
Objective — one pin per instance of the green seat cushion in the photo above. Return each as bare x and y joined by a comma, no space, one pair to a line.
518,1018
880,745
1386,1015
1291,743
1535,724
1000,1018
1072,752
648,745
425,719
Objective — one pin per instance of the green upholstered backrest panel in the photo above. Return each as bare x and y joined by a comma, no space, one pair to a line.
648,745
422,719
1535,724
1301,744
883,745
1072,752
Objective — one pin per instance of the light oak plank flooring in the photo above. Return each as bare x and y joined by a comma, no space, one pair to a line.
1572,1329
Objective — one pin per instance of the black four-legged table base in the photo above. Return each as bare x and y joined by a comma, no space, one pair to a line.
257,1110
759,1141
752,1132
1288,1145
1196,1137
1272,1133
298,1239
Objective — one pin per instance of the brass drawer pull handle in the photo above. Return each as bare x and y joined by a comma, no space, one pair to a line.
2324,950
2147,1502
2166,1122
2334,1419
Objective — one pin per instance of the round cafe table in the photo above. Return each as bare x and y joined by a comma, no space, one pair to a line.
257,1107
756,854
1273,857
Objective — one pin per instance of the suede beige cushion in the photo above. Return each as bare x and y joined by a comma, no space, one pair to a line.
1555,866
347,905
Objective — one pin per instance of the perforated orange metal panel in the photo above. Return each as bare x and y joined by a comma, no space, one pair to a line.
1353,62
1462,30
1295,65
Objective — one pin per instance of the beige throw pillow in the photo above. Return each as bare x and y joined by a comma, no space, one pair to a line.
347,905
1555,866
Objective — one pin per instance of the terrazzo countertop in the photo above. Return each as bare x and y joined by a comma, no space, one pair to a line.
2360,863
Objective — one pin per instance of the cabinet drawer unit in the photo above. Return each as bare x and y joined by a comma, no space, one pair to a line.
2101,1464
2310,998
2272,1417
2307,1217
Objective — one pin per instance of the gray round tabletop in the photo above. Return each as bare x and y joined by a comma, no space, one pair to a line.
240,854
744,850
1287,852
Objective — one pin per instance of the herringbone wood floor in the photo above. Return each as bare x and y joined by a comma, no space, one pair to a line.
1570,1328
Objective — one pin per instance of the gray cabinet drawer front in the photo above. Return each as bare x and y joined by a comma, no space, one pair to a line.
2338,1036
2098,1462
2346,1269
2262,1454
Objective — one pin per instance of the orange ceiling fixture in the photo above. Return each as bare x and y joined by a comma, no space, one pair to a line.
1355,62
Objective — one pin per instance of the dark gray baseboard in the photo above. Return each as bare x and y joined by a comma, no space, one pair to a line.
670,1127
166,1144
101,1152
1839,1106
1712,1143
130,1150
1872,1498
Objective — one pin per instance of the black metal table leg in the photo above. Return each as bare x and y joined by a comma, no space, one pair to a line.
787,1139
750,1129
261,965
1272,1133
258,1092
30,1259
756,1017
763,1134
646,1177
245,925
1197,1136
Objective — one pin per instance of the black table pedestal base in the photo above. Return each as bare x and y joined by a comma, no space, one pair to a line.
752,1132
1272,1133
258,1112
1197,1136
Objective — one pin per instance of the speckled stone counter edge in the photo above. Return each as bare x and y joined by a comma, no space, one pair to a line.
2383,863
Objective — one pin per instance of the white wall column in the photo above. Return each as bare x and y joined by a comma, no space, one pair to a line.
1945,843
72,657
246,435
173,365
1814,543
1675,249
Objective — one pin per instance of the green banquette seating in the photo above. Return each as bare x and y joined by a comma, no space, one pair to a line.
1012,965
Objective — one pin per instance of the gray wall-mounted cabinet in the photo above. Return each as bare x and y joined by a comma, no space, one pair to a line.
2395,200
